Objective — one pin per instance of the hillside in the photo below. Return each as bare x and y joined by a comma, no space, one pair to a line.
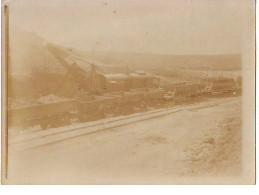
150,61
28,54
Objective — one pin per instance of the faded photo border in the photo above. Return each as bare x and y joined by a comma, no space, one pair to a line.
248,113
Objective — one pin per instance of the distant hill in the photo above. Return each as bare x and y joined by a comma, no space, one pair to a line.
190,62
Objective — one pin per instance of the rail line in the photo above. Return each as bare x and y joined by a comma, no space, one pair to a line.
51,136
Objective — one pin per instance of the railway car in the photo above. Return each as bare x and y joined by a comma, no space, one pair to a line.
118,103
46,115
223,85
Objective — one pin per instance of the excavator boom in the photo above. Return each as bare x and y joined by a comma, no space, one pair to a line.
78,74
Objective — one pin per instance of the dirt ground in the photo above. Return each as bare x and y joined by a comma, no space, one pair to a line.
192,143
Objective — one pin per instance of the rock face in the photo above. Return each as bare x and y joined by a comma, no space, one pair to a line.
28,54
33,72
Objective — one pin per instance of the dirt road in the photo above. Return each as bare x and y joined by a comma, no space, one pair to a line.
194,142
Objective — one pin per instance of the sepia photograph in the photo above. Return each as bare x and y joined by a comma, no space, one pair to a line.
128,92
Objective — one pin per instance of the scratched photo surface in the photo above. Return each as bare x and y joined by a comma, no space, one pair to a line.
128,92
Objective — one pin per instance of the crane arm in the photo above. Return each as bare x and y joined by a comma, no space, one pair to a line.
73,69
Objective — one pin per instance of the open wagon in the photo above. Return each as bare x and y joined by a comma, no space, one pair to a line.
46,115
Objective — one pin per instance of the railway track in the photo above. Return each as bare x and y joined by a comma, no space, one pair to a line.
51,136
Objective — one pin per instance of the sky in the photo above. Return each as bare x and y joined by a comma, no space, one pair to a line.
163,27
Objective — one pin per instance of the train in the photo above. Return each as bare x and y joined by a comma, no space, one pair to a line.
107,95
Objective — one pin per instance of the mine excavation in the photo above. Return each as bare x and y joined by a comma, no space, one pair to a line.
134,92
87,93
93,113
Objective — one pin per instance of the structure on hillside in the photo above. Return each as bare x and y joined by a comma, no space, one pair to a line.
96,81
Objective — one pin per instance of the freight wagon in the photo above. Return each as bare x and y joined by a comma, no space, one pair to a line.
46,115
50,115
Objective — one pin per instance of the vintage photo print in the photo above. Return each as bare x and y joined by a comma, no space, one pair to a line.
128,92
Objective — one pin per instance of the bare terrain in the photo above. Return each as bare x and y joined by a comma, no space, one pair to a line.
204,140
